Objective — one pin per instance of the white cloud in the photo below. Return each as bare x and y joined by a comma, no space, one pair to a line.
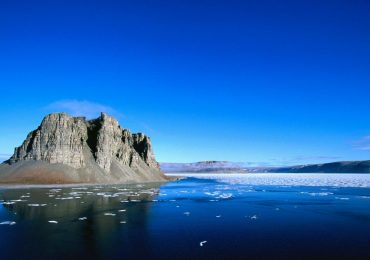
81,108
362,144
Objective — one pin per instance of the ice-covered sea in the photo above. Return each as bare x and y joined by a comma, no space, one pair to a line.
287,179
203,216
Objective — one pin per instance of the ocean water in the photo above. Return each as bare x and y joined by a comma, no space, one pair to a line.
312,216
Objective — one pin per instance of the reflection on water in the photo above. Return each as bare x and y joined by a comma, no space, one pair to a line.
188,219
73,221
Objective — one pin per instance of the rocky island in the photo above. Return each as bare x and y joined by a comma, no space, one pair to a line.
66,149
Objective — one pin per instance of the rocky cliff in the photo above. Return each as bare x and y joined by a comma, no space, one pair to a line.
66,149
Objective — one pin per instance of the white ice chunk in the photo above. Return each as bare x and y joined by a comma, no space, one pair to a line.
36,205
225,196
202,243
8,203
8,223
65,198
317,193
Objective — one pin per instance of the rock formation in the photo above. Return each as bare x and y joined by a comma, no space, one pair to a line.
67,149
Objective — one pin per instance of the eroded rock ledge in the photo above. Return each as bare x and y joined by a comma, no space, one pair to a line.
80,150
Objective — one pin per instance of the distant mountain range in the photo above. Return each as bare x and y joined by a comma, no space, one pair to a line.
237,167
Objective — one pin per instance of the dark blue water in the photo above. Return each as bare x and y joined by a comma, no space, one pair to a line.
169,221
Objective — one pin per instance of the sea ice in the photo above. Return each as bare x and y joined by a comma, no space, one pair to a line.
317,193
8,223
202,243
37,205
287,179
8,203
65,198
225,196
342,198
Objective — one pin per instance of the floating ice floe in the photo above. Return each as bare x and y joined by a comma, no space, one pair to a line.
212,193
65,198
36,205
8,203
225,196
317,193
105,195
53,221
202,243
288,179
55,190
8,223
341,198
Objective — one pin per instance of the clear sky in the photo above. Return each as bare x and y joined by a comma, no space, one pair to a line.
269,82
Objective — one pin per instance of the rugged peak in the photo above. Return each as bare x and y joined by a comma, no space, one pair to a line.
106,117
73,141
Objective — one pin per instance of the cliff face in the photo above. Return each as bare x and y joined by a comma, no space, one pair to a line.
99,149
59,139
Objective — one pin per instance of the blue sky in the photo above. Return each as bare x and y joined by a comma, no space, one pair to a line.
268,82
